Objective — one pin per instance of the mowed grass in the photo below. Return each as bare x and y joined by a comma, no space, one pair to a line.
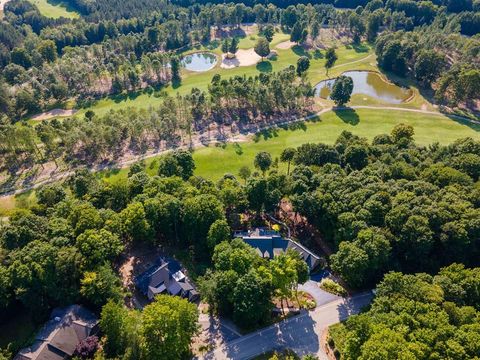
55,9
212,162
216,160
284,59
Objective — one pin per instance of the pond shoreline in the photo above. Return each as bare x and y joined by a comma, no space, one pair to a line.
368,88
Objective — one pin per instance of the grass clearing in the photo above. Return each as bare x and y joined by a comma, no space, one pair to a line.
56,9
285,58
215,160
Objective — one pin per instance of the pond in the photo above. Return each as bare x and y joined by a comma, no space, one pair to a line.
367,83
201,61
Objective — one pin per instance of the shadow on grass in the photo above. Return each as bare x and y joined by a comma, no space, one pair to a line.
264,66
265,134
318,54
110,172
300,51
348,115
66,5
361,48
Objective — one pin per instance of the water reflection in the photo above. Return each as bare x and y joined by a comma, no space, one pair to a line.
368,83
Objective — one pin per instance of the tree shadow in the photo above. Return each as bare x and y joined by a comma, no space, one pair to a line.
360,48
318,54
176,83
297,334
348,115
300,51
264,66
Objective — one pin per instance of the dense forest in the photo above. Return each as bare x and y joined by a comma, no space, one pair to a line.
416,317
382,206
119,47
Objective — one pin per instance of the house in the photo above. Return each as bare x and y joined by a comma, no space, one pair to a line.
166,277
269,243
59,337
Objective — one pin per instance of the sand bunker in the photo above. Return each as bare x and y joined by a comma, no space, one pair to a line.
243,58
54,113
285,45
2,4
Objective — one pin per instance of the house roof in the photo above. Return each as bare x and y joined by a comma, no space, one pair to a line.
269,243
59,337
164,276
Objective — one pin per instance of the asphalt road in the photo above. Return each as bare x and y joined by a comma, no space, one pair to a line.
301,334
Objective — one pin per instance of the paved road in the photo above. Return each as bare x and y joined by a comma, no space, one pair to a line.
321,297
301,334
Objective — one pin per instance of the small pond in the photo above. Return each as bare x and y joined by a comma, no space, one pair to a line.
368,83
201,61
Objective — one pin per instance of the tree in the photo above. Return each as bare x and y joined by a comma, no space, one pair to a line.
168,327
342,90
48,50
118,326
268,32
263,161
134,222
299,33
101,285
219,231
225,45
330,58
87,348
244,172
175,69
252,299
177,163
287,156
98,247
303,63
233,48
262,47
50,195
428,66
356,156
351,262
402,132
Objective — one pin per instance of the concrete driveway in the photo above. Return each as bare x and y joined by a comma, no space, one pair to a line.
301,334
321,297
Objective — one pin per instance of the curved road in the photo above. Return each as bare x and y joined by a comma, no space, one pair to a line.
301,333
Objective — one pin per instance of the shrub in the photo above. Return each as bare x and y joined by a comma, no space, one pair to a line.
332,287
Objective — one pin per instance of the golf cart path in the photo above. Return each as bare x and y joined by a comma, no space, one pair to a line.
301,333
197,144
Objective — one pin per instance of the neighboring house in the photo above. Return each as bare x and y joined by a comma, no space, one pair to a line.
269,243
166,277
59,337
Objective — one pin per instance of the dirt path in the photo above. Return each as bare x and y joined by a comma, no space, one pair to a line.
353,62
53,113
201,143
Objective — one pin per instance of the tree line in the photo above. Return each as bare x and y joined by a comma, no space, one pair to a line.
229,103
416,317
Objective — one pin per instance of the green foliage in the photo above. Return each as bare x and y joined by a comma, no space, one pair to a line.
101,285
262,47
163,330
432,326
263,161
342,90
330,58
177,163
303,63
98,247
219,231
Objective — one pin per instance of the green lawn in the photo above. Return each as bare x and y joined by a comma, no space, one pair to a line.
214,161
284,59
55,9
